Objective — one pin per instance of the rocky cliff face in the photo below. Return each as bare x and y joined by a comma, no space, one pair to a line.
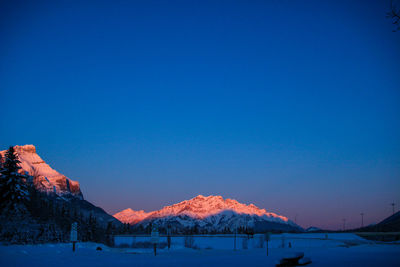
45,178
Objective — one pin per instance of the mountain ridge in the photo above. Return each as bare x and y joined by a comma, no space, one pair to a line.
211,213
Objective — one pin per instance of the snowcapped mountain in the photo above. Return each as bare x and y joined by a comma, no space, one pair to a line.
45,179
313,229
131,216
212,213
57,188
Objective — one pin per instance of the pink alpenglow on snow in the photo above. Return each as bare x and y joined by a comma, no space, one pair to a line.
45,178
131,216
199,207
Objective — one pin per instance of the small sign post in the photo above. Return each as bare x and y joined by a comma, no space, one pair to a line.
154,238
267,238
74,234
234,240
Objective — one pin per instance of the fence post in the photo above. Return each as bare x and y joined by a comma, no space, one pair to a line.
169,236
267,238
234,244
74,235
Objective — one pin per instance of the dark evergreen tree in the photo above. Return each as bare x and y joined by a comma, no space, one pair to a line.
2,179
94,231
109,233
1,164
14,193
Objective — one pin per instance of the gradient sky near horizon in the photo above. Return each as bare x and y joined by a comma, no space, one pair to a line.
291,105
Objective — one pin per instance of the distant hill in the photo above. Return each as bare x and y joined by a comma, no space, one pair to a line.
312,229
390,224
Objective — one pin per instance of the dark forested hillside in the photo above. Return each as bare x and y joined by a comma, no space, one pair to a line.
31,215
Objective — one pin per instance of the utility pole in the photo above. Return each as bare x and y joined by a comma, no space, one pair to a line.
344,224
393,206
234,244
169,236
362,219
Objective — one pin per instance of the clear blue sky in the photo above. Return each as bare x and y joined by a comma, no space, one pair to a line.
291,105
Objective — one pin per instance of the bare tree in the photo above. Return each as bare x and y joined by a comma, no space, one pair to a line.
394,15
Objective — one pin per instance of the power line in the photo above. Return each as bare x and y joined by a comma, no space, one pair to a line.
392,204
362,219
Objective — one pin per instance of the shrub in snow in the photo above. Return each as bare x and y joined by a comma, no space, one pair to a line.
149,245
244,243
123,245
189,242
260,241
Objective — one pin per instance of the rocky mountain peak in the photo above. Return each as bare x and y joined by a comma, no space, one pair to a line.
131,216
199,207
25,149
45,178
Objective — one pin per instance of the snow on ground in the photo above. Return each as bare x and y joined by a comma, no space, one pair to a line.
242,241
331,252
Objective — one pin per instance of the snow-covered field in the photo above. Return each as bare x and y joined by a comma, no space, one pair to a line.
337,250
227,242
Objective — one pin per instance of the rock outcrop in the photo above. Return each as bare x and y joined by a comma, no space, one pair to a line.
45,178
